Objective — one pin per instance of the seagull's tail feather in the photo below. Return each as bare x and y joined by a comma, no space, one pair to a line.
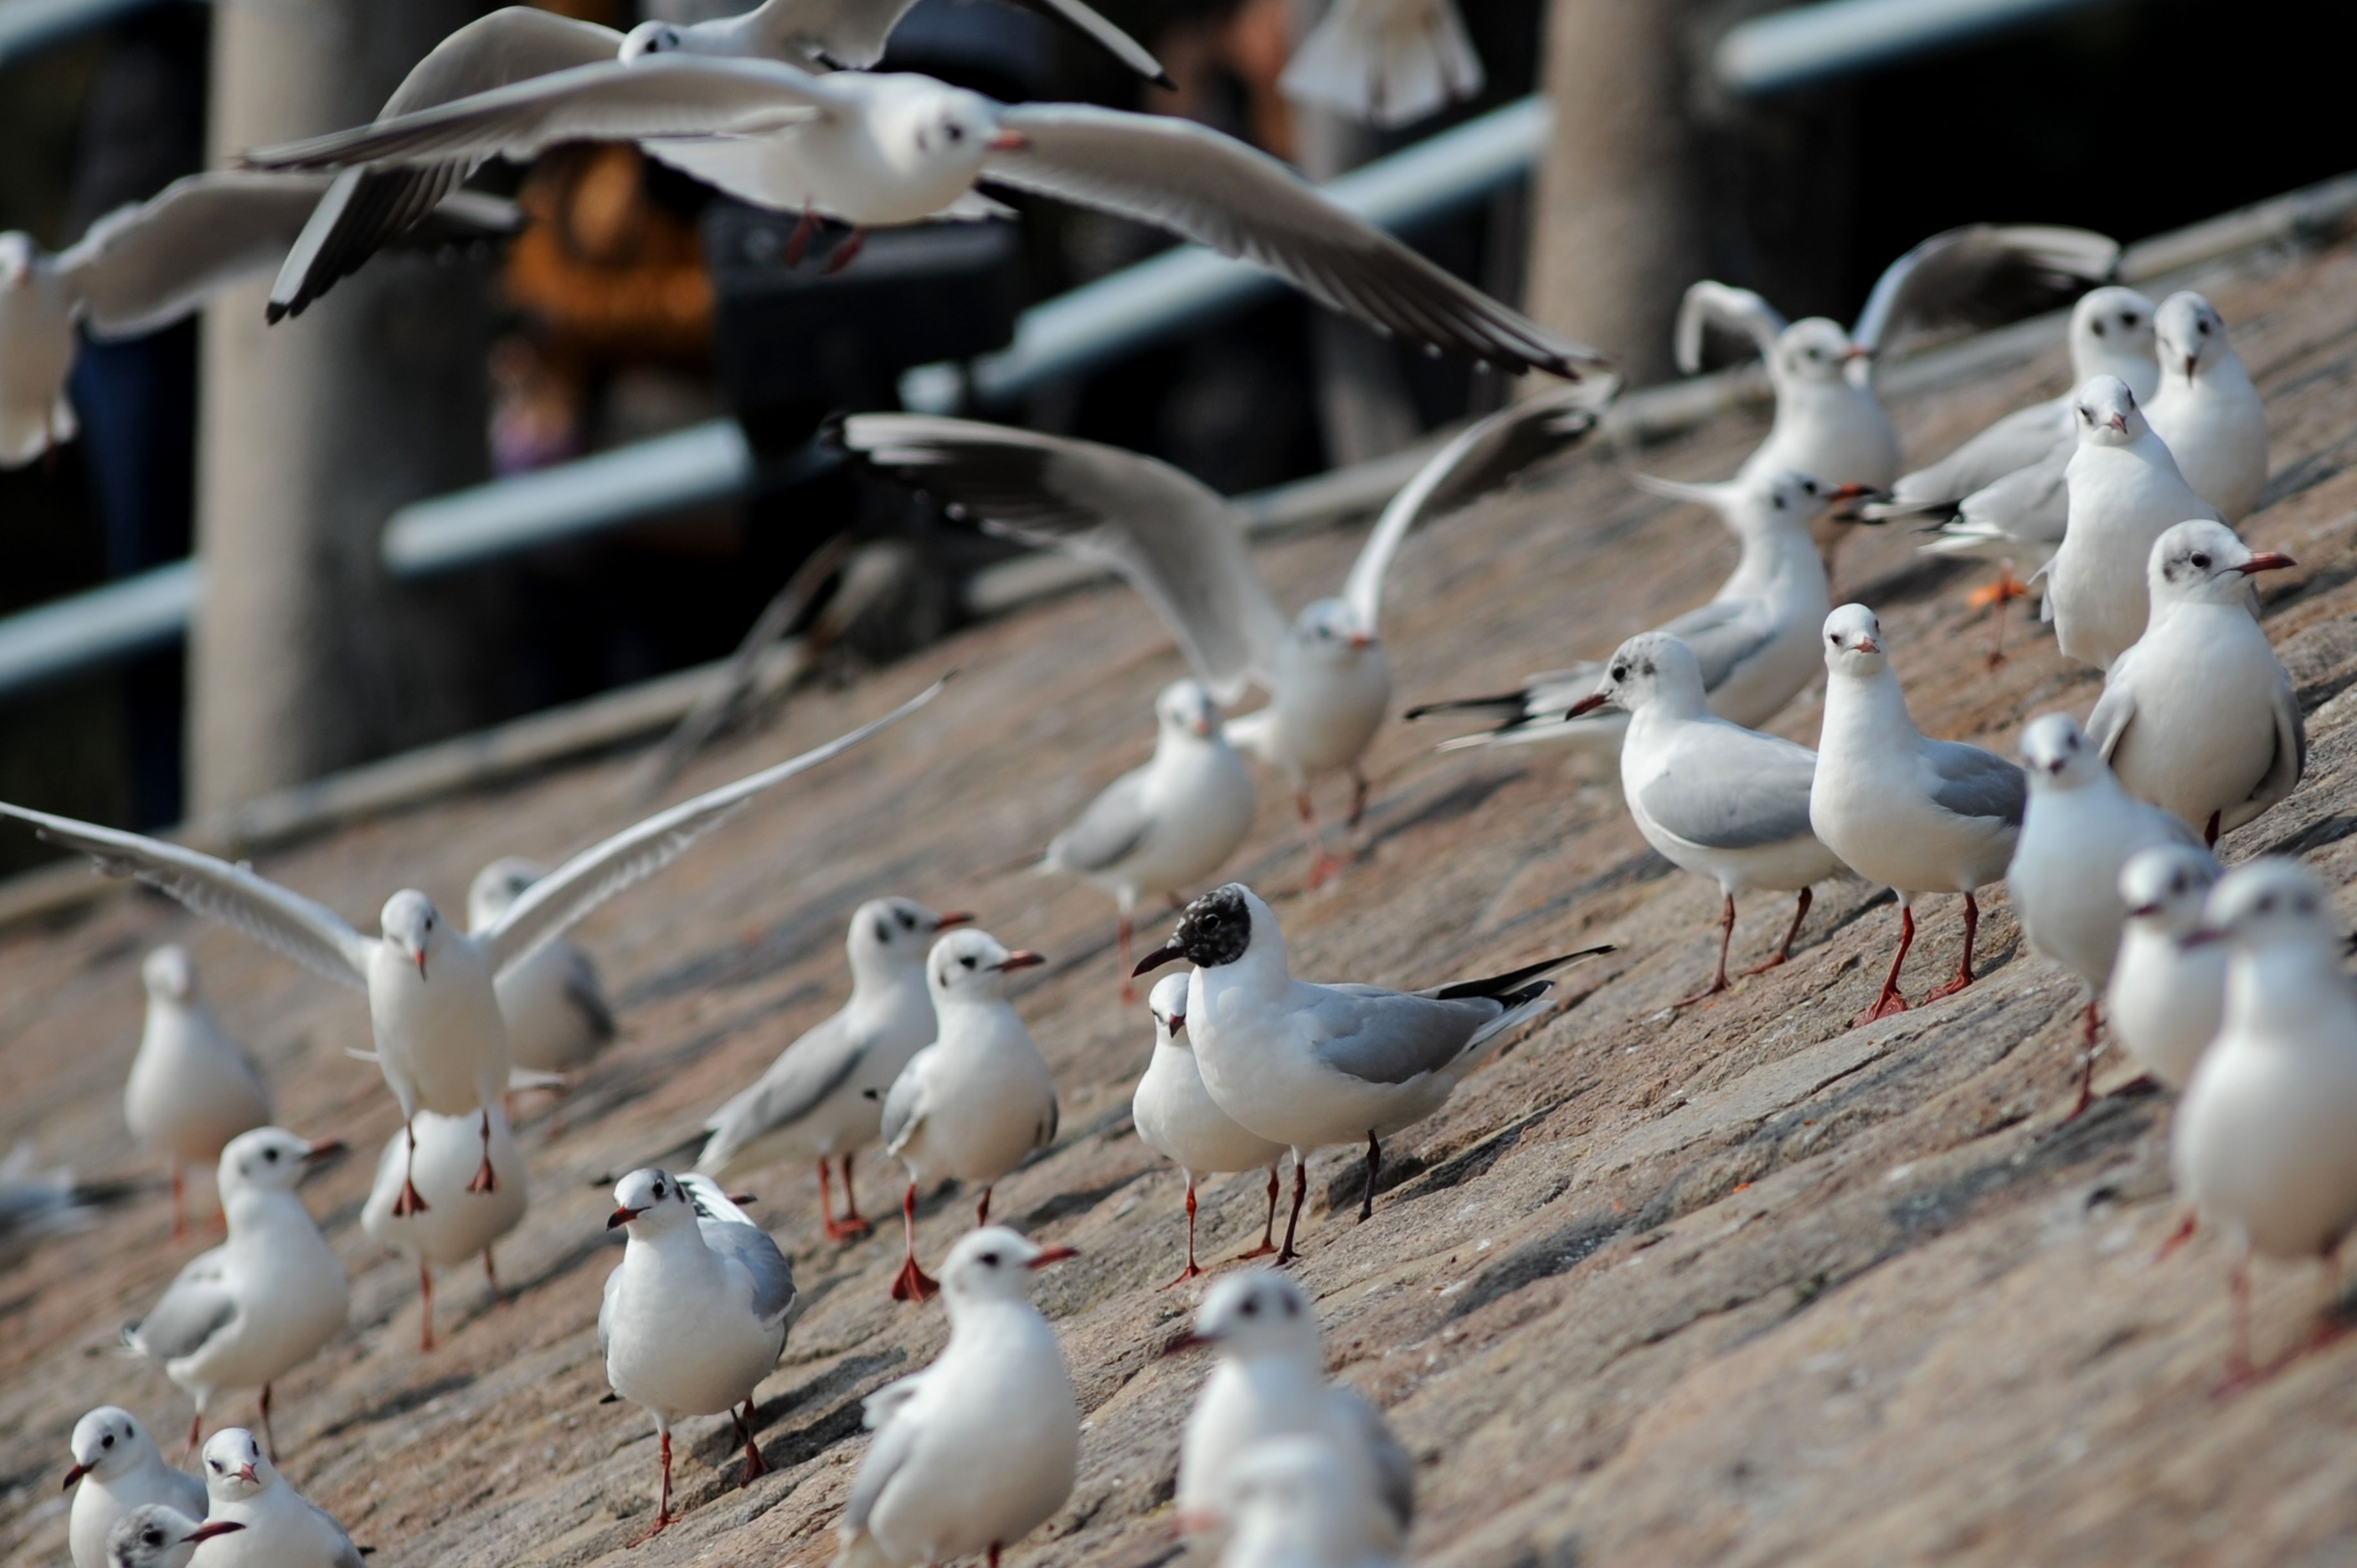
1363,63
1505,705
857,1548
1930,513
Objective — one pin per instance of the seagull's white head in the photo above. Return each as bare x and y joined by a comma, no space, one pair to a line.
2057,754
2105,412
1259,1313
235,1466
498,885
1219,928
650,1202
1650,666
972,966
650,38
1775,502
107,1442
2109,325
997,1264
931,127
890,936
1328,631
2168,885
2202,562
1854,642
2270,902
169,976
1815,349
270,1159
411,924
2190,335
1290,1499
1168,1003
17,254
157,1536
1185,707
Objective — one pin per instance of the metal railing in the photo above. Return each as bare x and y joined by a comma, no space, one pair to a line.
1803,45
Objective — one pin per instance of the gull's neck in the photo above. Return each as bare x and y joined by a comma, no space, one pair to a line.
1867,713
1776,562
2281,991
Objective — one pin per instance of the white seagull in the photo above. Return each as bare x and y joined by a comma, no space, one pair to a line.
2078,834
1270,1381
1296,1506
2198,715
1306,1065
1724,802
695,1314
1385,63
1162,829
1176,1117
976,1103
821,1099
456,1224
433,1003
2207,410
158,1535
263,1302
2166,998
554,1002
1182,546
116,1469
980,1448
191,1089
1914,814
283,1529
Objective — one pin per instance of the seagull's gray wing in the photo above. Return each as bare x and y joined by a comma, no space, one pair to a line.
542,911
1984,274
2025,436
1393,1036
1485,456
1707,305
195,1307
1170,536
606,1308
903,1102
1729,788
586,993
2286,766
311,934
1211,188
1109,832
852,34
804,1076
1394,1471
730,1232
143,266
2115,710
1972,782
896,1439
1722,635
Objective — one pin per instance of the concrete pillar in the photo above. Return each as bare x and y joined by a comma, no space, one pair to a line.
1616,234
305,656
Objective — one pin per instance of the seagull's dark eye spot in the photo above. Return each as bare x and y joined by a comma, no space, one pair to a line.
2201,560
152,1537
1620,672
967,960
659,1191
107,1441
2267,904
883,933
1292,1307
957,131
270,1154
1251,1307
1780,503
988,1259
2130,320
907,921
2206,329
214,1463
2099,329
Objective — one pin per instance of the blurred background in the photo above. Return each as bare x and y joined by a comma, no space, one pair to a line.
638,315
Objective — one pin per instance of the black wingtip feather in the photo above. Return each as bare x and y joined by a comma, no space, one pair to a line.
1513,981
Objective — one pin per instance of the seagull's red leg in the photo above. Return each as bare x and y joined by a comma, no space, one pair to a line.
2087,1029
195,1434
2209,833
2238,1355
1358,798
1321,864
409,1202
1191,1271
755,1465
844,255
1120,957
662,1508
486,1179
799,241
180,1222
1890,1000
1269,1227
1718,976
1964,975
1784,949
269,1444
2178,1237
424,1308
492,1274
853,1227
982,1210
1285,1253
911,1284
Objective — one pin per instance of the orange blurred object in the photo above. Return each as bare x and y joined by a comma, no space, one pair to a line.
603,269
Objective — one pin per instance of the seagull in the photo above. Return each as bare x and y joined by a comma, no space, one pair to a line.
2079,831
1177,1118
2260,1145
141,268
2207,411
1270,1381
191,1089
1917,815
2125,493
821,1098
1306,1065
433,1003
263,1302
696,1315
1755,642
38,1201
1385,63
980,1448
1182,546
456,1224
2198,715
1296,1506
885,149
553,1003
1715,799
2166,998
366,208
117,1471
1161,829
156,1535
977,1102
283,1529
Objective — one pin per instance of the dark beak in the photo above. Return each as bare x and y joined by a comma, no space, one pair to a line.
623,1217
1857,351
1588,704
1177,1023
1021,958
2143,911
2188,367
1010,142
2199,937
1052,1255
75,1474
1190,1340
955,918
213,1527
1157,958
324,1149
2267,561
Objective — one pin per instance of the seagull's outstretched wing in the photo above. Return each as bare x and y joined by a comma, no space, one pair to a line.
545,910
1211,188
1385,62
1730,309
143,266
311,934
1170,536
851,33
1485,456
1984,274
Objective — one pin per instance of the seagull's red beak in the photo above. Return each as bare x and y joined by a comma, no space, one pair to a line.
1867,645
2268,561
2143,911
1178,1022
419,954
1361,640
622,1217
2200,937
2188,367
1588,704
1052,1255
1190,1340
1855,351
1010,142
213,1527
75,1474
2118,422
1021,958
246,1473
324,1148
955,918
1850,492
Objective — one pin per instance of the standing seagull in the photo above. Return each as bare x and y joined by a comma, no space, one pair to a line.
2207,410
1724,802
283,1529
2199,717
1296,1506
822,1097
2079,831
433,1002
1917,815
1306,1065
976,1103
118,1470
1182,546
695,1314
2260,1145
1385,63
191,1089
156,1535
1177,1118
981,1448
1755,643
263,1302
453,1226
2166,998
553,1003
2125,493
1162,829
